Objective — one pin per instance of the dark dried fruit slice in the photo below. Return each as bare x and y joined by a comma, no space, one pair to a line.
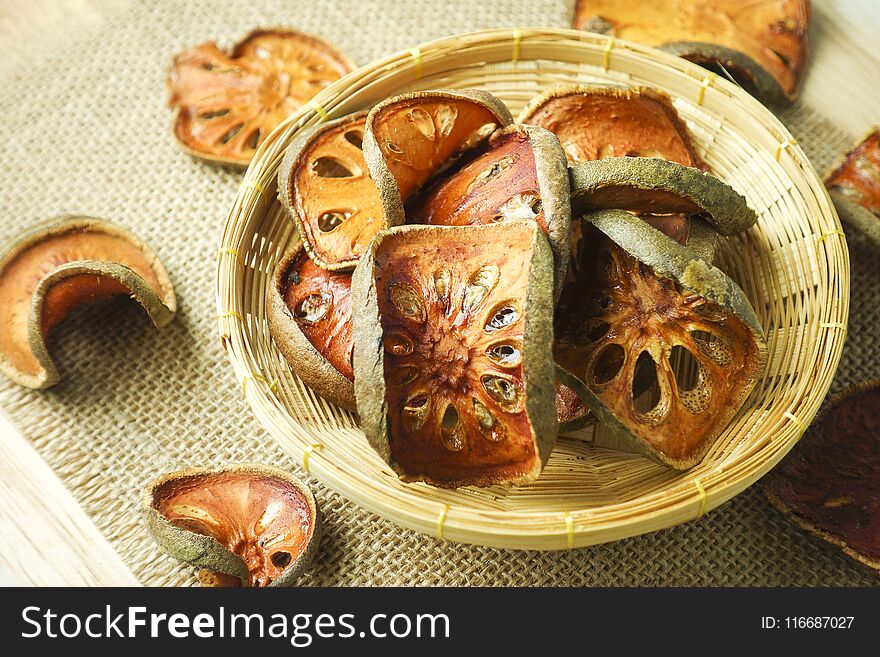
520,173
453,362
309,313
762,43
855,186
644,302
226,104
253,522
410,138
830,482
654,186
325,186
60,266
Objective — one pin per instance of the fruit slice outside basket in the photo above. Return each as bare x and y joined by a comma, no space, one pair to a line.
453,365
855,186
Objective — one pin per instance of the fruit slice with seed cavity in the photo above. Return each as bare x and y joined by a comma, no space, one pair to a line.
762,44
453,361
644,304
411,138
309,313
252,522
830,482
325,186
520,173
226,104
855,186
59,266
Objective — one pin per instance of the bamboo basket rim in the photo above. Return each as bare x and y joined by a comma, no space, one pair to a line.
814,354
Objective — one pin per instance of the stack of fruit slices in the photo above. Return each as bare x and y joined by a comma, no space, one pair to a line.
444,292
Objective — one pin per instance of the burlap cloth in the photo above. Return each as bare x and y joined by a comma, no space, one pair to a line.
85,129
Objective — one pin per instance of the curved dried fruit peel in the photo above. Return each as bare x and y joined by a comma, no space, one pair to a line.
855,186
763,44
652,185
453,360
326,188
226,104
647,298
59,266
253,522
410,138
521,173
830,482
309,314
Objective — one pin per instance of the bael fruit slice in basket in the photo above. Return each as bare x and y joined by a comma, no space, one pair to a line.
855,186
644,299
830,482
410,138
762,43
520,173
252,522
309,314
226,104
325,187
60,266
453,361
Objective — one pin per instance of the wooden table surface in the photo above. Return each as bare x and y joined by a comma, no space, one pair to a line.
45,536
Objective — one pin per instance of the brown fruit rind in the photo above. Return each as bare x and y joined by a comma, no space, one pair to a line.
672,261
652,185
537,363
207,552
854,185
305,360
389,190
829,484
109,279
368,202
208,57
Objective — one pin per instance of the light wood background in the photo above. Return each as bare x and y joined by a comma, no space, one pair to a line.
45,536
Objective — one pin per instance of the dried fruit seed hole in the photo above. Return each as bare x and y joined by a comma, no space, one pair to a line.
505,354
314,307
607,364
330,221
415,412
504,391
521,207
333,167
452,432
503,316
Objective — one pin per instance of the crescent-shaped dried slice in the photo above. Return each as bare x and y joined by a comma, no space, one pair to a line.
253,522
410,138
309,313
453,362
59,266
855,186
830,482
646,303
520,173
762,43
226,104
327,190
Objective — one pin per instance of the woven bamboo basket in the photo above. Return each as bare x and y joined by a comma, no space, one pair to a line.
793,266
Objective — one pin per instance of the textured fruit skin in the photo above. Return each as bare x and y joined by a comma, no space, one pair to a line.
387,184
854,185
206,551
305,360
829,484
370,384
160,309
647,184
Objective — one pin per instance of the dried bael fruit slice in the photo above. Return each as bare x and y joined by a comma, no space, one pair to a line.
253,522
830,482
855,186
325,186
648,185
646,302
453,360
521,173
226,104
762,43
309,313
59,266
410,138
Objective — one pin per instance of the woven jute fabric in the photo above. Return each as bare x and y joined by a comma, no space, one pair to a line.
86,130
